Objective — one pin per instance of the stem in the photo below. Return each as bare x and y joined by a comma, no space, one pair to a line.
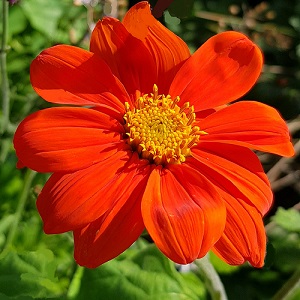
4,78
288,289
29,176
275,172
75,283
110,8
212,279
237,21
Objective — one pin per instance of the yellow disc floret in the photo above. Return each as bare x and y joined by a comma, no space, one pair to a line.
160,130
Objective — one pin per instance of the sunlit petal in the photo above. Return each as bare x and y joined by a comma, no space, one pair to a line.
236,170
244,238
69,75
167,49
71,201
66,139
126,55
182,212
115,230
223,69
251,124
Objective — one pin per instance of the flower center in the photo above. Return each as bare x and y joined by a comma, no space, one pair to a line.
160,130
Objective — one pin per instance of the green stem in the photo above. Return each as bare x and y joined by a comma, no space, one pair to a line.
4,78
212,279
29,176
289,288
75,283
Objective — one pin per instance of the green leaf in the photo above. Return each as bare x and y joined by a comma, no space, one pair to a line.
29,274
17,20
288,219
148,275
287,248
43,15
192,282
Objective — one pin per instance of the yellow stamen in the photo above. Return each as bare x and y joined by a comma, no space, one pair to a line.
160,130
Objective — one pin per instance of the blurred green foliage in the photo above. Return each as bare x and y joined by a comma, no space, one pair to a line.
36,266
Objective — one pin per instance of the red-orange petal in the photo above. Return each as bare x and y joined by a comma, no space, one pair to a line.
71,201
167,49
182,212
70,75
65,139
223,69
126,55
117,229
236,170
244,238
250,124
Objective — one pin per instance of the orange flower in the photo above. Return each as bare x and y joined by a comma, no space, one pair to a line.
153,145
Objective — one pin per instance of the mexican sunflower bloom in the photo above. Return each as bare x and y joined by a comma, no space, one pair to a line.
148,141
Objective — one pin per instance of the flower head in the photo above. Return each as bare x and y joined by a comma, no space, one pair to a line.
153,144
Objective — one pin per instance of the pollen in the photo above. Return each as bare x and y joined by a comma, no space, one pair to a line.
160,129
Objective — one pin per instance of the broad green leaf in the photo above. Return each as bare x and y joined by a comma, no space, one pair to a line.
43,15
192,282
148,275
17,20
171,21
288,219
287,248
29,274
